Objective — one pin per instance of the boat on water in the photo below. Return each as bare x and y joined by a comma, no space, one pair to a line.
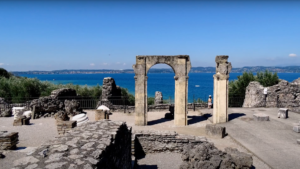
197,85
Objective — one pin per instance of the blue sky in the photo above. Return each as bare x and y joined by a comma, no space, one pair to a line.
52,35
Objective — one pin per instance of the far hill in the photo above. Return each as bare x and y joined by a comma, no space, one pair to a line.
287,69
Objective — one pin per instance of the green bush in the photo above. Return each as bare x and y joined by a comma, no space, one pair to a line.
150,100
20,89
237,88
4,73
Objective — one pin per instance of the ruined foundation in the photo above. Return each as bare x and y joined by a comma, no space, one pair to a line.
103,145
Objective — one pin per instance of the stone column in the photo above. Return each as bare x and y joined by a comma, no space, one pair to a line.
140,92
220,100
181,90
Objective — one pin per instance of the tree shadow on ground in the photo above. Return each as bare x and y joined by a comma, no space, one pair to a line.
197,119
235,115
147,167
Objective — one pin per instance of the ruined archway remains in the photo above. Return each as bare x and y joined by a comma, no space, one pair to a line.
181,66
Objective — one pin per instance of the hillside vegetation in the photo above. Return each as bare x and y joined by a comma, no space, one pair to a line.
238,87
19,89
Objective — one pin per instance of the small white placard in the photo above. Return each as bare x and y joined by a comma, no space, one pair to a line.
265,90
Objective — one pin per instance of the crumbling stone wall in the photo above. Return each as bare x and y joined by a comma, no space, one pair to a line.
110,90
206,155
158,98
102,144
283,94
63,93
8,140
162,141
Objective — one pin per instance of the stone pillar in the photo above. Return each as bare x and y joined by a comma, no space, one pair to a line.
158,98
223,68
180,116
140,92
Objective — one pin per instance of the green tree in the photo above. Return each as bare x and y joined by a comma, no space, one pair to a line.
150,100
4,73
237,88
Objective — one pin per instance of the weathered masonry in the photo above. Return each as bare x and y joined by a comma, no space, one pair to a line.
223,68
181,66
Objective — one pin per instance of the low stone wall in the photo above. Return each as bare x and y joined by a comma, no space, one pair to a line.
162,141
8,140
102,144
65,126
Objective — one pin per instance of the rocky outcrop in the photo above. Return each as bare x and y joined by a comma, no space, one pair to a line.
111,93
283,95
206,155
63,93
46,104
61,116
59,100
72,107
254,95
158,98
109,89
6,113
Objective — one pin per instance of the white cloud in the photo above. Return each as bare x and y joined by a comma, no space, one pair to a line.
292,55
105,63
118,63
124,63
1,64
92,64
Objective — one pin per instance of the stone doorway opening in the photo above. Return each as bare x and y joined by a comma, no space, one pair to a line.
181,66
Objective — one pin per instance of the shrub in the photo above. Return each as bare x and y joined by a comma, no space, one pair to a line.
4,73
237,88
150,100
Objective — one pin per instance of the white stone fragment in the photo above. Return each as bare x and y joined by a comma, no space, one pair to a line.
17,109
27,113
18,112
102,107
80,119
283,113
261,117
296,129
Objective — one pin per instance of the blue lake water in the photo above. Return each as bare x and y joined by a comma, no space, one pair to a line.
156,82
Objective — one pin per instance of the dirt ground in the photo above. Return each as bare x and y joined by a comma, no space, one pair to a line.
44,129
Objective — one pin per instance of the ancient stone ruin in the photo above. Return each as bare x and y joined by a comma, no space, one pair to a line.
59,100
220,102
281,95
111,93
158,98
102,144
196,151
206,155
181,66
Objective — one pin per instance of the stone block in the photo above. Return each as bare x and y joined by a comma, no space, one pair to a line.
215,131
17,122
296,129
65,126
101,114
260,117
298,141
8,140
283,113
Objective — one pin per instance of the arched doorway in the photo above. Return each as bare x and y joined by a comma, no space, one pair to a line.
181,66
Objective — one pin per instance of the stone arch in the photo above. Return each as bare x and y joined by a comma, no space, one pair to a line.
181,66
